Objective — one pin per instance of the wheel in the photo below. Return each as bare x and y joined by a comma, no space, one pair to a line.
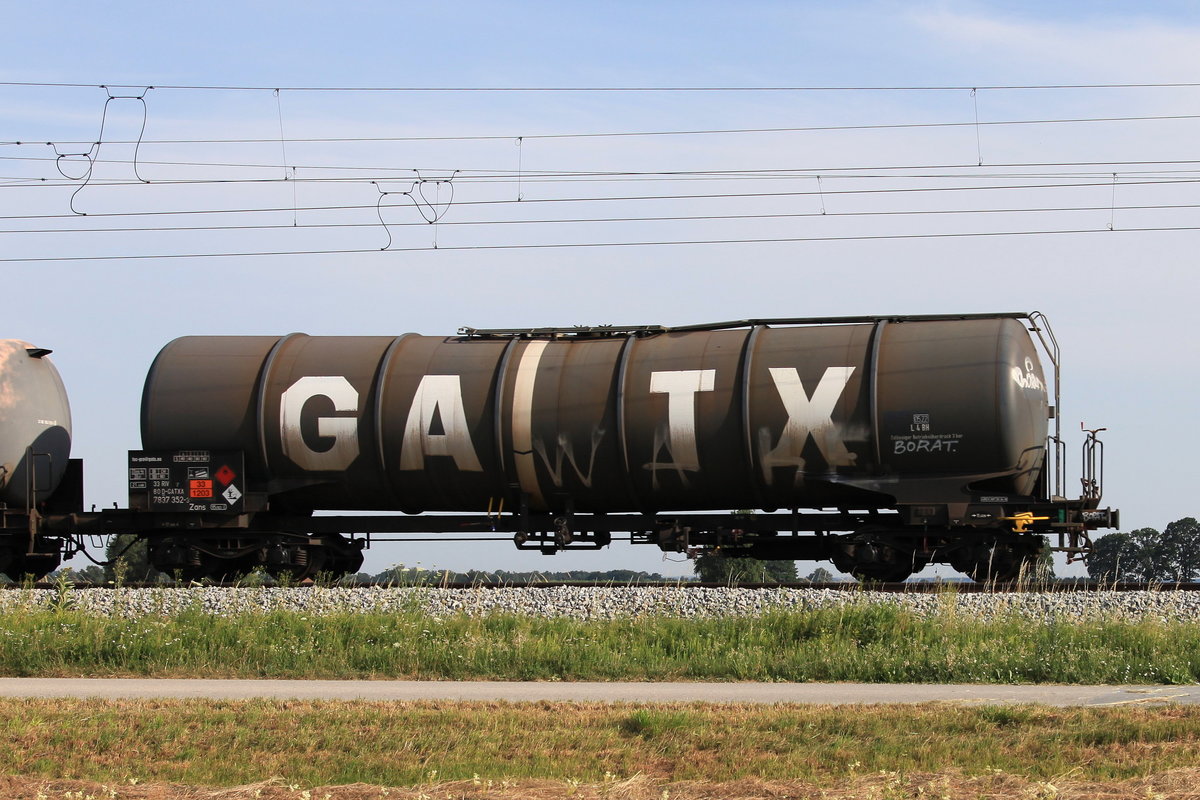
345,558
177,558
294,562
995,561
228,570
869,557
208,567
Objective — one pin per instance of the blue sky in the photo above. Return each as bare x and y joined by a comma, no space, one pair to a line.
581,44
1122,302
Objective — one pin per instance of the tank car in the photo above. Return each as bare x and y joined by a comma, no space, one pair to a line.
35,448
881,443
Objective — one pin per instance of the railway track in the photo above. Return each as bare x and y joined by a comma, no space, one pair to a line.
916,587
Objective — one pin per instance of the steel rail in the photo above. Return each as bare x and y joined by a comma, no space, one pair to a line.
914,587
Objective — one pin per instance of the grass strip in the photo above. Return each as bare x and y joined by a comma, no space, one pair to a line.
870,643
309,744
1175,785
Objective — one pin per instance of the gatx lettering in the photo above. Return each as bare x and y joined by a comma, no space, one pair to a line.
438,397
808,417
437,425
343,430
680,387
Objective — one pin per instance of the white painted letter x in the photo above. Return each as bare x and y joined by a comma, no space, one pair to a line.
808,417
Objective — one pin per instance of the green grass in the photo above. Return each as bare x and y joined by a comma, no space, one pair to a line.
405,744
868,643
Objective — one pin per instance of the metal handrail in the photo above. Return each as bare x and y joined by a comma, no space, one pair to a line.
31,493
1093,464
646,330
1056,448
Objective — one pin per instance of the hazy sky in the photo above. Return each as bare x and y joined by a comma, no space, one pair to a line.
1122,301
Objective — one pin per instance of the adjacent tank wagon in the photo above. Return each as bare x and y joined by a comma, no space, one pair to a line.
36,473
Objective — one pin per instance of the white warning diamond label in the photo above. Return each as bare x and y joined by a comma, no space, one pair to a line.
231,494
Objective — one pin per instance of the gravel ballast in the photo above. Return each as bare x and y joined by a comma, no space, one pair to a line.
608,602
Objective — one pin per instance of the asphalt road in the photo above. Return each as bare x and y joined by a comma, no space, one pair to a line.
812,693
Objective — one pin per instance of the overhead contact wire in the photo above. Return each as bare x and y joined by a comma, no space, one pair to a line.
573,245
699,132
632,89
648,198
593,220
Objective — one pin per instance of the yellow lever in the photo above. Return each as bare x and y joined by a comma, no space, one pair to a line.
1023,520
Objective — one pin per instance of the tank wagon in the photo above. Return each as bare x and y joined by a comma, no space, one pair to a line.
37,476
880,443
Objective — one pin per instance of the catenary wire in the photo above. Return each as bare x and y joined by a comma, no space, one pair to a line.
1106,182
633,198
617,134
613,89
589,220
574,245
1067,184
1160,175
1104,168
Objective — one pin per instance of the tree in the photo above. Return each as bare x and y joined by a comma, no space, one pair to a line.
712,567
400,575
1179,548
820,575
1117,557
132,560
1043,569
1145,555
90,574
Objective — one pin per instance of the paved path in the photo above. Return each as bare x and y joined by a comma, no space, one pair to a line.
825,693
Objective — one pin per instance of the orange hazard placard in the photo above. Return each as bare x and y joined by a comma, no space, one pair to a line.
200,489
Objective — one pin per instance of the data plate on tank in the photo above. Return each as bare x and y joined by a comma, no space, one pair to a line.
186,480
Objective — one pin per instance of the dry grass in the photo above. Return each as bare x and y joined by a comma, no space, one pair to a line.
620,751
1181,784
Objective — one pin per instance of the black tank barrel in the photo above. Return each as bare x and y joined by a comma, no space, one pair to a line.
760,417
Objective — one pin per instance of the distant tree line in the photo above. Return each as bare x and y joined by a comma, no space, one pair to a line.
1147,555
402,575
708,568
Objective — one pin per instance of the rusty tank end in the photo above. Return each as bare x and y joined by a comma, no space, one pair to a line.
35,425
